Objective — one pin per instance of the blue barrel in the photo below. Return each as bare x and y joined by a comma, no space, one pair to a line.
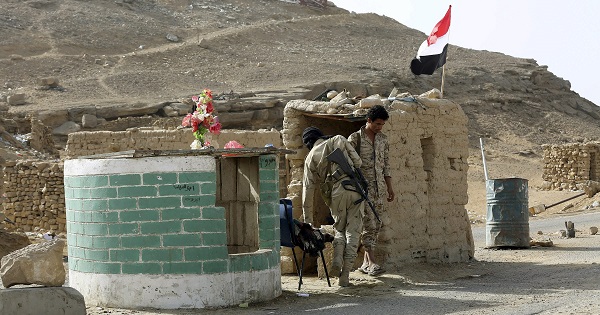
507,213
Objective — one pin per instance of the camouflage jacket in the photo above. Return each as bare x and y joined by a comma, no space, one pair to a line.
375,158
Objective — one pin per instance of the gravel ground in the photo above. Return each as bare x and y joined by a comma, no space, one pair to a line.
562,279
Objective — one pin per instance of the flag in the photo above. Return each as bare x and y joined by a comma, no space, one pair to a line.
432,52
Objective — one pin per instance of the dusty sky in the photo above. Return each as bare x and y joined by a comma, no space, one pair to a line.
558,34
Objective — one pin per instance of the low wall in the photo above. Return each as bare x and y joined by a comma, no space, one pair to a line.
567,165
33,190
34,195
97,142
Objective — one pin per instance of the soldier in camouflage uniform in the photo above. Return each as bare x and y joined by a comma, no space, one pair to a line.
373,148
346,213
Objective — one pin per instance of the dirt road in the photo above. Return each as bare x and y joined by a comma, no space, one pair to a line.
563,279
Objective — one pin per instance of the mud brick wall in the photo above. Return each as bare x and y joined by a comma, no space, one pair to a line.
34,195
567,165
97,142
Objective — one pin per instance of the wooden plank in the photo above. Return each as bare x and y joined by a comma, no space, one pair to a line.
228,178
247,179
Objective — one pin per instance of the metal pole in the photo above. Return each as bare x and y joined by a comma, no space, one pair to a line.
483,157
443,75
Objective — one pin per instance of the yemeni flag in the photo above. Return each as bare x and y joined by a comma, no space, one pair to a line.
432,52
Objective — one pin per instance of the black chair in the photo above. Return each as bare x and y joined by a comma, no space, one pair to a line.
288,237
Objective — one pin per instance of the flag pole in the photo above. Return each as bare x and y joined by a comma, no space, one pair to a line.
443,75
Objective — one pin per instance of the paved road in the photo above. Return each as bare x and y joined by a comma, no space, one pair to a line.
551,224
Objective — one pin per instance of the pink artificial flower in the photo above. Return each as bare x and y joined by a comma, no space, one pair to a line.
195,99
186,122
195,123
207,122
209,107
215,128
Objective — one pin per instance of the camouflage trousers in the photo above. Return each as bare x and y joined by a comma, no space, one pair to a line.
371,226
348,220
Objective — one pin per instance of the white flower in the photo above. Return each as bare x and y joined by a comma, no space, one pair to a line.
196,145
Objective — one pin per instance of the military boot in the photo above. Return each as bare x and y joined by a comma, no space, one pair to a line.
344,279
338,258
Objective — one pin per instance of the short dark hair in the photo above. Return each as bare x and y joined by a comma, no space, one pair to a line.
377,112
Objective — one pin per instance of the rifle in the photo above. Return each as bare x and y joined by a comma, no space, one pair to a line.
357,180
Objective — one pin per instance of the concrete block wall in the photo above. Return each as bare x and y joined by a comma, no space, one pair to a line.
570,164
146,233
428,221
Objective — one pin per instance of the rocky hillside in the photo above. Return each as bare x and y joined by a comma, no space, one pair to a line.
112,58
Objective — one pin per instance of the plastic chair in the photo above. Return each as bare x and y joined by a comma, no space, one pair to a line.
288,237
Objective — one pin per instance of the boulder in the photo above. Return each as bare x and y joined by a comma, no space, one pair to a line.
53,118
89,121
40,264
66,128
16,99
63,300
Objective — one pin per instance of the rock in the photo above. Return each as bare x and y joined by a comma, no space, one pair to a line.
89,121
35,264
15,57
63,300
203,43
76,113
168,111
53,118
172,38
332,94
122,110
66,128
10,242
181,108
16,99
51,82
593,230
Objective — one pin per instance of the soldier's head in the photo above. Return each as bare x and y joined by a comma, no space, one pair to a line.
376,118
310,135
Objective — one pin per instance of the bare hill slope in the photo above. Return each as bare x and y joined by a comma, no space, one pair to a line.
129,51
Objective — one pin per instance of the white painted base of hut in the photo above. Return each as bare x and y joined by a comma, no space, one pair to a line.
177,291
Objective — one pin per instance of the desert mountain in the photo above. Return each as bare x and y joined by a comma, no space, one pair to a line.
128,52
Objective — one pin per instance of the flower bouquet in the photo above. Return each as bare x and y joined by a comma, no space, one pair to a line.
202,120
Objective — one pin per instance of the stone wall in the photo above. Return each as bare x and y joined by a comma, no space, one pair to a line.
34,195
33,190
428,140
567,165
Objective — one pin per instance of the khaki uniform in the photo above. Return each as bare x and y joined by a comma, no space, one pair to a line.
375,167
347,215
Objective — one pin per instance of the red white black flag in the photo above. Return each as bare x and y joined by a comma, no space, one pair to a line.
432,52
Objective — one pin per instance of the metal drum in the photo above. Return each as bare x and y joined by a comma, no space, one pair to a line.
507,213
